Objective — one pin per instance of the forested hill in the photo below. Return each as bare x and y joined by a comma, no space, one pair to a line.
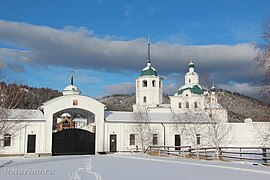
29,97
239,106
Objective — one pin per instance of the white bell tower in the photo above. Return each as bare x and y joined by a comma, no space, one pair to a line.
148,86
191,76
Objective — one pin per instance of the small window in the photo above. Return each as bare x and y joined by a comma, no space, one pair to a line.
187,105
144,99
179,105
7,139
198,139
153,83
137,84
187,95
144,83
189,80
154,139
195,105
132,139
159,84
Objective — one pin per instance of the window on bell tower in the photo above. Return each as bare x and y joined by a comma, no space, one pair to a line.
144,83
153,83
144,99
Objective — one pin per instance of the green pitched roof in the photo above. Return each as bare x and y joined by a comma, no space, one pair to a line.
150,71
195,90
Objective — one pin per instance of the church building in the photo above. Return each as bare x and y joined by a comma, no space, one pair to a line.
78,124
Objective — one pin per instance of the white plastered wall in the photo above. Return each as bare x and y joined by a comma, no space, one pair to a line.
66,102
19,139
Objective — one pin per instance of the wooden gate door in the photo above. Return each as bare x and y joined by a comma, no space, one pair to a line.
73,142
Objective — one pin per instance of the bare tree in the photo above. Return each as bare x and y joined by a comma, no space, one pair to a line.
178,124
262,130
190,125
218,130
263,63
263,57
142,128
10,120
193,130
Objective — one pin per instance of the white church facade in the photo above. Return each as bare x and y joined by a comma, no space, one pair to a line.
77,124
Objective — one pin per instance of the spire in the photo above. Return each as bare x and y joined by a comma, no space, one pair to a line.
213,88
71,89
149,70
191,64
148,58
71,78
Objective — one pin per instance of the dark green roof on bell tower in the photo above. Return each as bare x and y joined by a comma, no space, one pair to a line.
149,70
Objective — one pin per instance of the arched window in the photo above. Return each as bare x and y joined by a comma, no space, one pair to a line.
7,139
144,83
189,80
132,139
179,105
155,140
198,139
153,83
159,84
187,105
137,84
195,105
144,99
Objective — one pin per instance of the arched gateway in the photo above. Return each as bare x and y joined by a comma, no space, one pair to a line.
74,124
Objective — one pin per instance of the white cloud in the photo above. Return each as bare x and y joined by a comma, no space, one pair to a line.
171,89
242,88
121,88
80,48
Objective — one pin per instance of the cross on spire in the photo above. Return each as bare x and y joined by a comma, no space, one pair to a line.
190,57
148,59
71,78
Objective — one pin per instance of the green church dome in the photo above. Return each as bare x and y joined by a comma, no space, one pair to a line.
149,70
191,64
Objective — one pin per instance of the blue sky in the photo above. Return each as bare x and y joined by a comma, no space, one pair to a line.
105,42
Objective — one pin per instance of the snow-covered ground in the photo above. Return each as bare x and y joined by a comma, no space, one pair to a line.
126,167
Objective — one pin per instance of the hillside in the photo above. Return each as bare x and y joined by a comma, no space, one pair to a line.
28,97
239,106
